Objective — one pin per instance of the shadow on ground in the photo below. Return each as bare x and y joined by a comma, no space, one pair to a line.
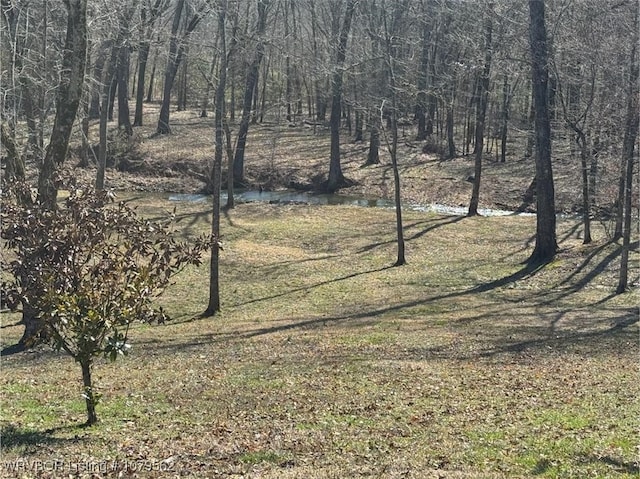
13,437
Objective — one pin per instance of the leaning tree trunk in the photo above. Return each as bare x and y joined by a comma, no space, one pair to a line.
171,71
176,54
249,91
67,101
143,58
546,242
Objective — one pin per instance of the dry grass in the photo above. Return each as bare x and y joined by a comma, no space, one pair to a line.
327,363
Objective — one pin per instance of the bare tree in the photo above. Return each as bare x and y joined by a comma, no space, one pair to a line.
67,101
546,243
177,46
630,136
216,171
391,32
481,111
249,89
150,12
336,177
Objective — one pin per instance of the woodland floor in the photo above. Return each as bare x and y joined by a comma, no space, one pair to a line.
281,156
326,362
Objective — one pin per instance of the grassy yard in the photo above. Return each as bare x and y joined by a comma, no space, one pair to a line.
328,363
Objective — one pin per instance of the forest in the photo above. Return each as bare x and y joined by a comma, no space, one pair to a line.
480,320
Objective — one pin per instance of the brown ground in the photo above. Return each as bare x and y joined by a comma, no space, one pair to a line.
282,156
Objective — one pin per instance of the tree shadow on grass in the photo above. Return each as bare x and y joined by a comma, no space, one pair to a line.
312,286
438,222
617,465
617,331
12,349
12,437
523,273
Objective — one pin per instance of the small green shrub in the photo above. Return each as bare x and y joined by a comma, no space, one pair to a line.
90,269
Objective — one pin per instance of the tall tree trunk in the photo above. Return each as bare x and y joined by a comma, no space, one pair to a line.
183,84
230,194
84,149
581,140
258,99
451,146
393,147
481,112
250,86
107,86
112,97
67,102
546,242
124,119
421,104
172,69
373,157
531,135
205,96
152,79
143,58
336,177
216,172
358,126
104,51
630,136
505,118
319,90
176,54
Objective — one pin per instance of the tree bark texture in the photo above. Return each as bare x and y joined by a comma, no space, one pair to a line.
143,58
124,119
546,242
89,393
67,101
